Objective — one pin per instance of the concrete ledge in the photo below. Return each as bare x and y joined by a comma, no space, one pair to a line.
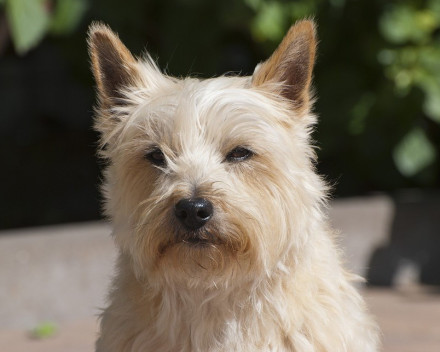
57,273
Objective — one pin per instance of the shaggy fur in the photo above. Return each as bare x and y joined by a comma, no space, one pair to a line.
266,275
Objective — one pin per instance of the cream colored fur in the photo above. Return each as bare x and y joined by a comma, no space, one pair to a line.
271,280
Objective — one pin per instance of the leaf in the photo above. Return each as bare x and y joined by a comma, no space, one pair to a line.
413,153
67,15
28,20
269,23
44,331
431,105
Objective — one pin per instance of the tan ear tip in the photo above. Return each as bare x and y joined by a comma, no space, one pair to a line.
99,30
307,26
307,22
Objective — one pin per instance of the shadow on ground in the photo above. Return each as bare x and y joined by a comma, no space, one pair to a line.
413,251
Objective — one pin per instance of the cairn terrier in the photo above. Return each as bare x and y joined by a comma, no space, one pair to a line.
218,214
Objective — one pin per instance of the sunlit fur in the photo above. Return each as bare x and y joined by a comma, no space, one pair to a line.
270,277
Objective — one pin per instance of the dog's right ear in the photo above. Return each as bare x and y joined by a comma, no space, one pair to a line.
291,65
114,67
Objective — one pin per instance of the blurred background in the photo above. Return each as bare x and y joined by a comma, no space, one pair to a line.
377,79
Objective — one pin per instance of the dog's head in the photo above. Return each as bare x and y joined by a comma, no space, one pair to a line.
209,181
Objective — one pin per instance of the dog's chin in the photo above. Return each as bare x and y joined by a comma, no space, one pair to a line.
193,239
194,250
200,258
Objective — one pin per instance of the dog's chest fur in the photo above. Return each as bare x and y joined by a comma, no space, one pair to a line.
282,314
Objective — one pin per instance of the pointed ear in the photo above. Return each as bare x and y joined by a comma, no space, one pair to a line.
114,67
291,65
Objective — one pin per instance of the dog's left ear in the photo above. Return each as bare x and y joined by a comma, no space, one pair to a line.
114,67
290,66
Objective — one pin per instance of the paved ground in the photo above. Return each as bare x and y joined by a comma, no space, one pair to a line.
60,274
409,319
76,336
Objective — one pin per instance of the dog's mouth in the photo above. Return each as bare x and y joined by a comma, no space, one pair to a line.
204,238
195,241
199,238
192,240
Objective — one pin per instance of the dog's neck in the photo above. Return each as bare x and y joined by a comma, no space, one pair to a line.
176,313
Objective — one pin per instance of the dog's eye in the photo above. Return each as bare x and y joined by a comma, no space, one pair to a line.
239,154
156,157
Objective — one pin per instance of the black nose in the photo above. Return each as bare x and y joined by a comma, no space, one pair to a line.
193,213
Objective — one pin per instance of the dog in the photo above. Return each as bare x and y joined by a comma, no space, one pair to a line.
217,211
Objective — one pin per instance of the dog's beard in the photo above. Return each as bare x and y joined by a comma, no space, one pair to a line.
209,248
201,249
165,252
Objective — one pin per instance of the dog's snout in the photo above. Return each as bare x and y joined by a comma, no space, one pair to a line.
193,213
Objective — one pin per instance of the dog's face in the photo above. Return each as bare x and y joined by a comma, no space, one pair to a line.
209,181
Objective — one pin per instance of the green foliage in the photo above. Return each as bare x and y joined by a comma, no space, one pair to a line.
269,21
415,62
272,17
403,23
377,74
414,152
67,15
412,61
31,20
